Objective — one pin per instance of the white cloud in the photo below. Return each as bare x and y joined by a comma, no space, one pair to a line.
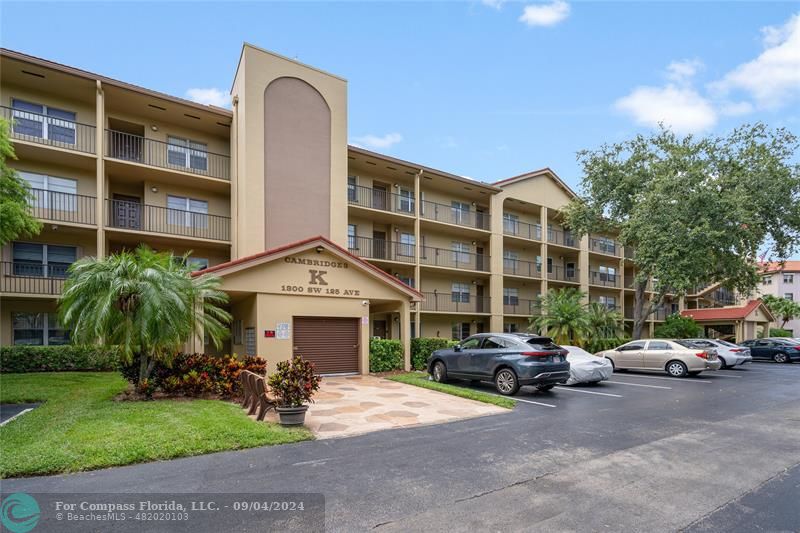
773,78
496,4
684,70
681,108
735,109
374,141
545,14
211,96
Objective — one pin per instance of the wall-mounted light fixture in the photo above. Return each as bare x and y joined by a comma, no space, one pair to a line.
474,243
396,185
153,127
154,189
319,249
474,204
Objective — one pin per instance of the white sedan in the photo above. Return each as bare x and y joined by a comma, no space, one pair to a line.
729,354
585,367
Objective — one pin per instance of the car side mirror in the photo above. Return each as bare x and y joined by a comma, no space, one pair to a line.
457,348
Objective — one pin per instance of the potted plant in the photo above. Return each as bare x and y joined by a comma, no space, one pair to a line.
293,384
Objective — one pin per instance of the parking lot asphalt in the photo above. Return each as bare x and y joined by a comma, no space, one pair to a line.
640,452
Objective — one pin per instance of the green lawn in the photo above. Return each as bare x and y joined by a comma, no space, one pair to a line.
81,427
420,379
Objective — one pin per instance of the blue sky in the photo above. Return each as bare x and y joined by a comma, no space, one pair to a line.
485,89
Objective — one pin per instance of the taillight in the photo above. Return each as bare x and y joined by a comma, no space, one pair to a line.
737,349
536,354
797,348
702,355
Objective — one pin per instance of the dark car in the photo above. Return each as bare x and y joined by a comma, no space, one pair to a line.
778,349
510,360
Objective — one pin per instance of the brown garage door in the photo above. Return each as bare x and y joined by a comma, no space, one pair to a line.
331,343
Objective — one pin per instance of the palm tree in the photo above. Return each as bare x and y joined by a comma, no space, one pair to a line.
143,302
604,323
563,315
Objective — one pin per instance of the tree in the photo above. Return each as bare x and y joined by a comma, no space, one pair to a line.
563,315
678,327
695,211
145,303
604,323
15,196
782,308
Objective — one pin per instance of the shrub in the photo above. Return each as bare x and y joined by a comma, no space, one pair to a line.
385,355
294,382
678,327
423,347
57,358
778,332
598,345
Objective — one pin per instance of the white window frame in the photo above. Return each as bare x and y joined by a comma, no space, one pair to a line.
459,292
511,223
460,211
46,319
510,259
189,215
43,200
45,260
788,296
788,278
352,236
352,189
608,273
407,244
510,296
461,252
46,120
188,148
405,200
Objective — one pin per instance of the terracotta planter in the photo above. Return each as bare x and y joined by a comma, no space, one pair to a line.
292,416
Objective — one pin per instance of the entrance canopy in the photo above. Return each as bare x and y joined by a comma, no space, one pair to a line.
743,320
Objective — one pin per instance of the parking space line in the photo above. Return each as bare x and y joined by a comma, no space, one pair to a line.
640,385
682,380
521,400
717,373
590,392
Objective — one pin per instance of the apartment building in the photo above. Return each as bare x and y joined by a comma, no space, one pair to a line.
783,281
313,238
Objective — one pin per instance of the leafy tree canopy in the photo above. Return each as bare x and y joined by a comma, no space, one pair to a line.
678,327
15,215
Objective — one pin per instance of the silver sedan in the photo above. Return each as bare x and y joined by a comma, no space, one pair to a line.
585,367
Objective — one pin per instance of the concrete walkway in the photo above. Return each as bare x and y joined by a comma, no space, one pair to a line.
353,405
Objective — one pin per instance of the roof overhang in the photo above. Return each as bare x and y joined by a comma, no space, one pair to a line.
716,314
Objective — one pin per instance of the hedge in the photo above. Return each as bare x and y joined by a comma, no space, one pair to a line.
56,358
385,355
423,347
779,332
599,345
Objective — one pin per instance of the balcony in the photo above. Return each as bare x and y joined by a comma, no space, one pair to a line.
561,238
440,302
380,199
442,257
380,249
51,131
516,267
24,278
523,230
601,245
629,312
660,314
520,306
557,273
135,149
455,215
155,219
62,207
604,279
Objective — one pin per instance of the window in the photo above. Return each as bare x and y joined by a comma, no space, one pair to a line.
539,264
407,243
51,192
788,278
406,201
38,329
510,260
658,345
788,296
42,260
460,212
510,296
36,120
352,192
250,341
460,292
493,343
197,263
471,344
631,346
460,330
606,245
187,212
408,280
609,302
351,237
510,223
510,327
571,271
460,252
237,331
608,274
187,153
549,265
766,280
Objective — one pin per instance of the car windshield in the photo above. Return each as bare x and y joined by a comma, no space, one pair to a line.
726,343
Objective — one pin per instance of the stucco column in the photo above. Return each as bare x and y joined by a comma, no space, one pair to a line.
234,180
417,251
100,202
405,333
583,267
496,263
544,253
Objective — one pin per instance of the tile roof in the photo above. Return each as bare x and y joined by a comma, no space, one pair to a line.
722,313
788,266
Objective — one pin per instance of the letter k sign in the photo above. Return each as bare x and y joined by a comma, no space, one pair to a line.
316,277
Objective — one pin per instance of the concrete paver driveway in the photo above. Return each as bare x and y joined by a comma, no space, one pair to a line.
352,405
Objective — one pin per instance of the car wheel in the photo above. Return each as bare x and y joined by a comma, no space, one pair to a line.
506,382
723,364
780,358
544,388
677,369
439,372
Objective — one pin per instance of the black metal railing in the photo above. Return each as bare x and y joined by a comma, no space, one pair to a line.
563,238
517,267
520,306
381,249
376,198
137,149
602,245
460,216
29,278
609,306
522,229
62,207
455,303
558,273
52,131
155,219
604,279
453,259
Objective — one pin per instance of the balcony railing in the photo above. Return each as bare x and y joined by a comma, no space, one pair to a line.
609,306
453,259
517,267
380,199
563,238
522,229
455,303
381,249
455,215
26,278
51,131
605,246
520,306
155,219
558,273
604,279
62,207
137,149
